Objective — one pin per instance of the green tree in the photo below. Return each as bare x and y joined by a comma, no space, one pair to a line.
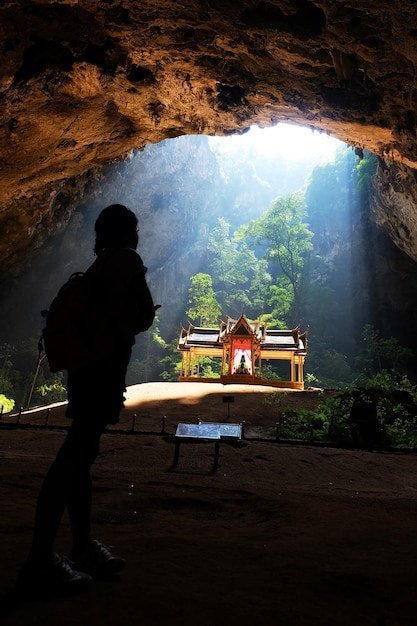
202,300
259,287
240,279
286,239
151,347
171,362
224,250
280,298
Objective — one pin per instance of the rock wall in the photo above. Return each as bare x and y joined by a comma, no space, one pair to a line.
84,82
394,202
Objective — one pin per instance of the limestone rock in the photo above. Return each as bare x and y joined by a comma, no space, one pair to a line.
83,82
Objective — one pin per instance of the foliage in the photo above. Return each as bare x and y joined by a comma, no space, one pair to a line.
393,381
268,372
6,385
281,296
6,404
54,392
351,419
335,411
377,354
397,406
294,423
367,168
224,251
171,362
286,238
6,371
202,300
156,334
329,368
240,279
147,353
136,372
302,424
18,367
209,367
6,353
380,415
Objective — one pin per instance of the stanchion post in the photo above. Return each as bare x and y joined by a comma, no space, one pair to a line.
216,455
176,453
228,399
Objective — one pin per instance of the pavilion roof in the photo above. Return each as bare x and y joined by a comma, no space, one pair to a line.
198,336
269,339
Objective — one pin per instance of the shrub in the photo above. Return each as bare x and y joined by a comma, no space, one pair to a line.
6,404
55,392
301,424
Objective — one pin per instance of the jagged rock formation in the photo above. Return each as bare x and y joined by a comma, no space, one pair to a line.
394,202
83,82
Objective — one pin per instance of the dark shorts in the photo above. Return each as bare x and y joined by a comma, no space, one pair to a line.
96,392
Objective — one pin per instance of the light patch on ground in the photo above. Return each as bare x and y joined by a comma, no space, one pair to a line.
189,392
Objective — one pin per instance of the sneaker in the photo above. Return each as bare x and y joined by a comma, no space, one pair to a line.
97,561
50,578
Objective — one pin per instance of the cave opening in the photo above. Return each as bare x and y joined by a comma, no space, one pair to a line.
195,196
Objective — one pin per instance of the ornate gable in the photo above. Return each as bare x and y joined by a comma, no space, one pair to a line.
242,327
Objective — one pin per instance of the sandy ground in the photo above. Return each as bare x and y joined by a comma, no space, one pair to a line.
279,534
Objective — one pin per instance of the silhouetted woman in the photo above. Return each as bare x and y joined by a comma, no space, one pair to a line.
95,399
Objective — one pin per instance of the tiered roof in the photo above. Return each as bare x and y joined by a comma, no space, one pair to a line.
269,339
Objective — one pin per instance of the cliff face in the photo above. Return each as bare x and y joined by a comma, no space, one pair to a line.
84,82
394,202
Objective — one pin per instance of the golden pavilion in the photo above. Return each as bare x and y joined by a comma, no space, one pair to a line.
242,345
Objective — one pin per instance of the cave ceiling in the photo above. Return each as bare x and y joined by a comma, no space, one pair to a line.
85,82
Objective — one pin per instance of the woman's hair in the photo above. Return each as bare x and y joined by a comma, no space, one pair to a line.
115,227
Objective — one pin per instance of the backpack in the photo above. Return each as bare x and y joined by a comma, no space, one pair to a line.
78,324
